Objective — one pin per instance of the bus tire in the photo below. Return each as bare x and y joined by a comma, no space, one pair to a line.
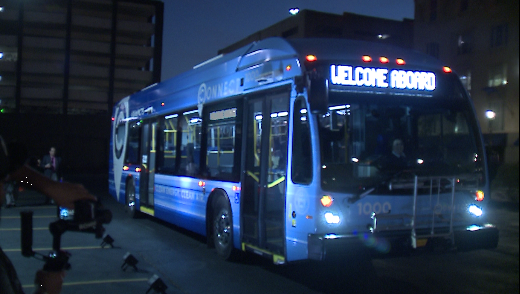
130,200
222,228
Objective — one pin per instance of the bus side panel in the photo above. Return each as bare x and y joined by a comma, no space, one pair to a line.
182,202
300,219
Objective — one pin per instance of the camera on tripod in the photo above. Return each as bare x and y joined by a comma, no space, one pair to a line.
87,216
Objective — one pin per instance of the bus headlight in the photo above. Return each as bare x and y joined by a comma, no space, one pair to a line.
331,218
475,210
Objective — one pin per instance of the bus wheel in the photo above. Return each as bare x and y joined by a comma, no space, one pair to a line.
223,228
130,200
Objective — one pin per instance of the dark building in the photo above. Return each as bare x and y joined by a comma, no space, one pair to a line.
314,24
64,63
479,40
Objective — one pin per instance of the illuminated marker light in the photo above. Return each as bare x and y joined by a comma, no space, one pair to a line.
162,103
326,201
288,68
331,218
383,59
400,61
311,58
202,184
475,210
138,169
420,161
446,69
479,195
236,188
126,167
366,58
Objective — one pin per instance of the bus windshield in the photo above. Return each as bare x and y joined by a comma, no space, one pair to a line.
367,139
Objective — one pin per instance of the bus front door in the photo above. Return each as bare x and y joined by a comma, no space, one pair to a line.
147,175
264,186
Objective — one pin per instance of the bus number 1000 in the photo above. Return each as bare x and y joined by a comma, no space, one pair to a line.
368,208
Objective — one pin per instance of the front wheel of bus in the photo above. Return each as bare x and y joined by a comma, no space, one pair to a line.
223,228
130,200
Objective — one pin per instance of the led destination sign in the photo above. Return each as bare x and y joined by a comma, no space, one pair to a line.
382,78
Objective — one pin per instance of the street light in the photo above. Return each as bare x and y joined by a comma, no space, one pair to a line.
294,11
490,114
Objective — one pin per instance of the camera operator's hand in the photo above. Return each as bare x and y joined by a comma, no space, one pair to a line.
48,282
64,194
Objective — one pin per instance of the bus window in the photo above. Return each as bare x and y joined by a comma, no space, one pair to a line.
356,140
221,144
169,143
134,135
301,145
190,143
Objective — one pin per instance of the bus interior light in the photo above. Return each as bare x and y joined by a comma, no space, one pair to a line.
383,59
366,58
326,201
311,58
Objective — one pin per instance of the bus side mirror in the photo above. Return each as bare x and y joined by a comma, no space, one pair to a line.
318,95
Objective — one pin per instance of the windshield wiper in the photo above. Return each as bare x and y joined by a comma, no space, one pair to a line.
364,192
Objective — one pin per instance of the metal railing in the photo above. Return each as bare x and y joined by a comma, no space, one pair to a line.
422,225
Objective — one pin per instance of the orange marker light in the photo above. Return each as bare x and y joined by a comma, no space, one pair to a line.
383,59
311,58
326,201
162,103
400,61
479,195
366,58
202,184
126,167
138,169
288,68
446,69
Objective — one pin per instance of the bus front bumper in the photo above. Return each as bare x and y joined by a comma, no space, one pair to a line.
330,246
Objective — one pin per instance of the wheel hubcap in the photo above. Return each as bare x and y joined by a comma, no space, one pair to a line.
222,229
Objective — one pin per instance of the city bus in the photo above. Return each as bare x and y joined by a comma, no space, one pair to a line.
284,148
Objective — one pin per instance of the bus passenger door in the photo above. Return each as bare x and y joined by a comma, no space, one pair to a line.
147,175
264,186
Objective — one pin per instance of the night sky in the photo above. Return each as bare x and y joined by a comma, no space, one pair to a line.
194,30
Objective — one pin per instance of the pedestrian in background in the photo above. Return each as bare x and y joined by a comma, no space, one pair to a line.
51,165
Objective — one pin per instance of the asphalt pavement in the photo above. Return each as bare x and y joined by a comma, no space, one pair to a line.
94,263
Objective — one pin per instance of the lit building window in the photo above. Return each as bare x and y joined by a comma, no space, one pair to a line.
498,76
466,81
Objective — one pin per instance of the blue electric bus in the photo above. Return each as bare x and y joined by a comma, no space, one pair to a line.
286,148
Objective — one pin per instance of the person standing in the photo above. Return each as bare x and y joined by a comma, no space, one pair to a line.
51,165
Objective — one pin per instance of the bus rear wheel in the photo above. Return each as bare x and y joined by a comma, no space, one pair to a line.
223,228
130,200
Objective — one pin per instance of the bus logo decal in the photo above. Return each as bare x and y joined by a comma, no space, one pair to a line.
119,143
